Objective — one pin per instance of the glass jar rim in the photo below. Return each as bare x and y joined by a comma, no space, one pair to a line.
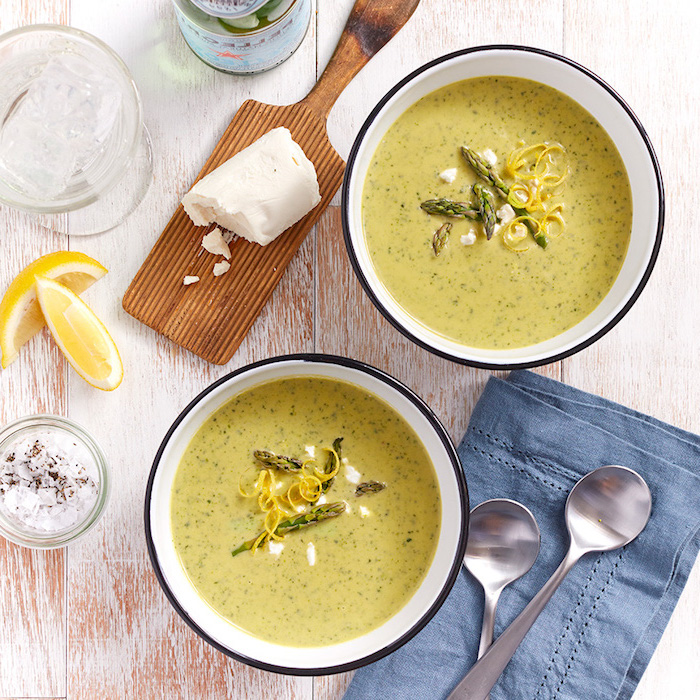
66,206
211,7
37,540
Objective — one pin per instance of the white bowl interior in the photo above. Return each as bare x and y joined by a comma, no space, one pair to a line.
614,119
235,639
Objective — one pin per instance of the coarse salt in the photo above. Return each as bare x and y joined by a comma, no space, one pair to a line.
48,481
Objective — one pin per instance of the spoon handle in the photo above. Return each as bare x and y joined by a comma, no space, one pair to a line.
487,625
477,684
489,621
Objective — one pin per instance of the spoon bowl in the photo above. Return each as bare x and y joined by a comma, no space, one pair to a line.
503,542
502,546
607,509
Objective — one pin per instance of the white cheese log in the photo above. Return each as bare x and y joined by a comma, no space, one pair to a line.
260,192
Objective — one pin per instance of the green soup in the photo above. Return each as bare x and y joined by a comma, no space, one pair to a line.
334,580
485,295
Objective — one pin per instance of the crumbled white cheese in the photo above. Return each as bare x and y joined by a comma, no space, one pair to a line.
364,512
258,193
310,450
489,156
468,238
215,243
311,553
190,279
519,232
449,175
321,499
505,214
352,475
221,268
275,547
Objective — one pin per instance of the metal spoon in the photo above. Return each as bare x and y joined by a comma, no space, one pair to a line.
503,543
605,510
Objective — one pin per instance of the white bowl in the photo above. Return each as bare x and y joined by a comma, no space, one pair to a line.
337,657
616,118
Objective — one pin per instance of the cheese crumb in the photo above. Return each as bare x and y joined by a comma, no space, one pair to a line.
310,450
190,279
221,268
352,475
311,553
215,243
321,500
468,238
489,156
506,213
519,233
364,512
275,547
449,175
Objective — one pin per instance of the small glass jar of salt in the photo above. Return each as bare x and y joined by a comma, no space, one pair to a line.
54,481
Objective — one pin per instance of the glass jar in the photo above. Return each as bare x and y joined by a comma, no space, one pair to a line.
243,36
60,429
74,153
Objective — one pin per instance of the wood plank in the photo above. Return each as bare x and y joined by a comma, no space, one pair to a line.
648,361
437,27
124,635
32,590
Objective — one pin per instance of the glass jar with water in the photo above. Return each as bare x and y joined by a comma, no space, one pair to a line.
74,153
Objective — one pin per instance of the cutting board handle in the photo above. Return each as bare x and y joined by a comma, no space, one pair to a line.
371,24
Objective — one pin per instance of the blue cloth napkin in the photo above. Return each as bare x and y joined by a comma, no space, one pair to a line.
530,439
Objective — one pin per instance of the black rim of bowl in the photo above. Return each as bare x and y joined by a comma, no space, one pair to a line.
425,410
394,321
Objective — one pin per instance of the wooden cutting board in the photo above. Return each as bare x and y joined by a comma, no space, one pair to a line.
212,317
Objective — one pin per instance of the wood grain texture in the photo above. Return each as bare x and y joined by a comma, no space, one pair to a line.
125,630
650,360
32,583
106,630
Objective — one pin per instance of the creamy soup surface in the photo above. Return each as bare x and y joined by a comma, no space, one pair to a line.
367,562
485,295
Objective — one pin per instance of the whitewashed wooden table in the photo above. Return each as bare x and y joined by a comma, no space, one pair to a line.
90,621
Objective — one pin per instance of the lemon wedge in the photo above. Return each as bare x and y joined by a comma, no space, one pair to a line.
80,335
20,315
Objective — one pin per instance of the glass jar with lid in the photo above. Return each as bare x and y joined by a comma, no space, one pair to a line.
243,36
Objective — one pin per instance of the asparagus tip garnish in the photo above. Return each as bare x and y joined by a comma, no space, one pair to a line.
487,173
369,487
316,515
440,238
447,207
487,208
270,459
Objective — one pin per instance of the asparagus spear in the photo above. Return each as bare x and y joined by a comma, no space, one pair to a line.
487,208
287,464
330,464
369,487
482,168
446,207
296,522
440,238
